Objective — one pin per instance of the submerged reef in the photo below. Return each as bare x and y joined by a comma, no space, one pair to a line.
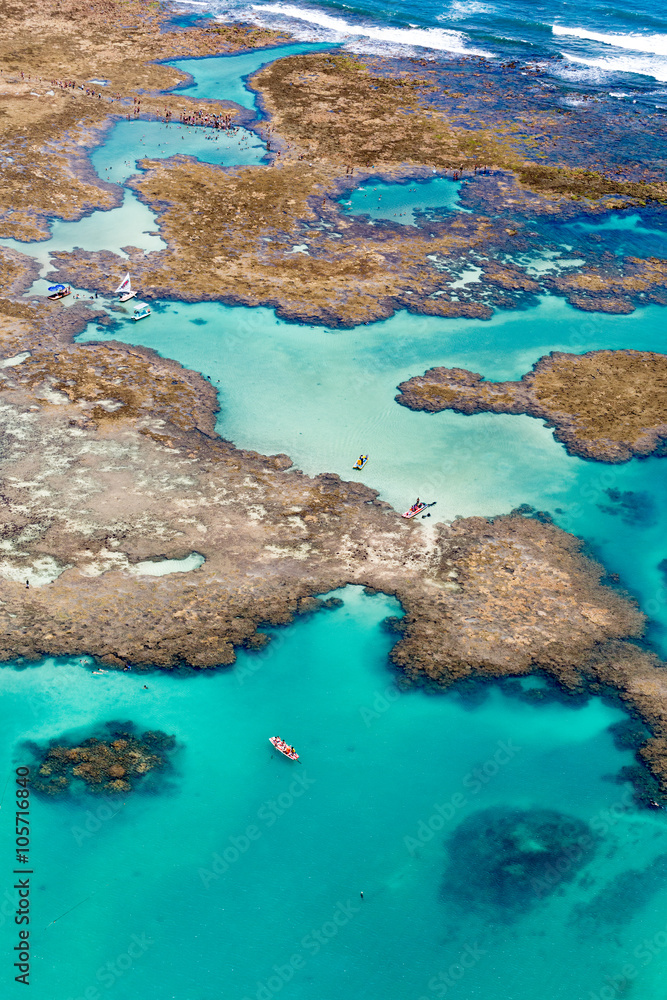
609,406
113,764
620,900
634,507
502,862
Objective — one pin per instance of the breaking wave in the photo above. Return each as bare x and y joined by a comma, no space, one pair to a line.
654,44
308,23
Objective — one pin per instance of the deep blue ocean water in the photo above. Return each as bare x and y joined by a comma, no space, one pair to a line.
609,46
170,896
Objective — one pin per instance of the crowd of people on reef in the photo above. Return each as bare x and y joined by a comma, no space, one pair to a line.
200,117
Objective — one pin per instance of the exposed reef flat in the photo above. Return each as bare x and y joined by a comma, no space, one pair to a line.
47,127
114,764
610,406
275,235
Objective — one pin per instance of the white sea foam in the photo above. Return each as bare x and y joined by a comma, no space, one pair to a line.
592,68
319,25
464,8
653,44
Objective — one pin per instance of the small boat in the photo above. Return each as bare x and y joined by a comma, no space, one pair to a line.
360,462
125,290
141,312
59,292
417,508
285,749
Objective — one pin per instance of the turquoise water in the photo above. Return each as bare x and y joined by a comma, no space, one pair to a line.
384,778
326,397
222,78
399,202
132,224
128,142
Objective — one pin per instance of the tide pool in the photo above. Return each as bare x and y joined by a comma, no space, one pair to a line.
325,397
222,78
131,224
116,159
619,233
241,860
399,202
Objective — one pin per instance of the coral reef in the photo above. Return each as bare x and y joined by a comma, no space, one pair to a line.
114,764
502,862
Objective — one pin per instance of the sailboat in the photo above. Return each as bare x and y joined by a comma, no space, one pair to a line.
125,290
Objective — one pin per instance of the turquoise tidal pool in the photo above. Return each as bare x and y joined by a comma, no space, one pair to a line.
240,875
324,397
222,78
127,142
399,202
132,223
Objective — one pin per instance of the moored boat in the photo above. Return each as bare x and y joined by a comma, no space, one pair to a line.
141,312
285,749
59,292
416,508
360,462
125,290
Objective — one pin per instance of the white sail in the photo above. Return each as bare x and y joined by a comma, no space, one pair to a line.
125,285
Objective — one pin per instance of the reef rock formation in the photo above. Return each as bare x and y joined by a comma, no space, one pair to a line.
609,406
114,764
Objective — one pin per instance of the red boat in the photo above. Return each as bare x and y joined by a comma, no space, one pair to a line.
416,508
59,292
285,749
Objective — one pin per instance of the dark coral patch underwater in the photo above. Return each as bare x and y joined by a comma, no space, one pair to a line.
502,862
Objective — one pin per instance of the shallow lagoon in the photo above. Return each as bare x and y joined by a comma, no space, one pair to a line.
324,397
128,142
292,843
399,202
222,78
133,223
